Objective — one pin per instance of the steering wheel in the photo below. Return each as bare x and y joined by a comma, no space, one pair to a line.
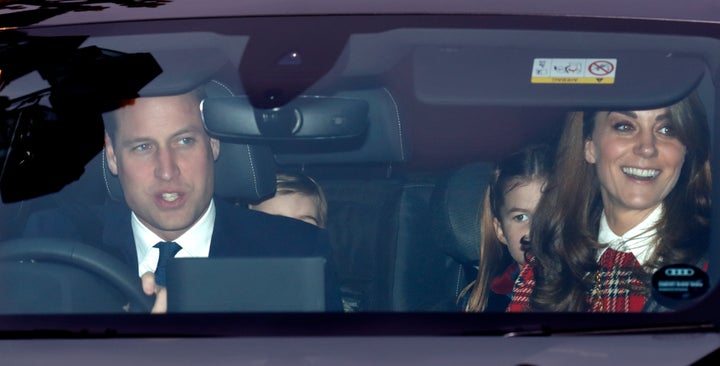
66,276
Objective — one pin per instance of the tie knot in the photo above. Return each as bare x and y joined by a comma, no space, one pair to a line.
168,249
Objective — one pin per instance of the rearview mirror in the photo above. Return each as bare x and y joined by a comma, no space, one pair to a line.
306,118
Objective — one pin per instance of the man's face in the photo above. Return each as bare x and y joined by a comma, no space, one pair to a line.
165,161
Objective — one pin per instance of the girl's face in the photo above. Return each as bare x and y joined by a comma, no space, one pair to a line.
516,215
638,160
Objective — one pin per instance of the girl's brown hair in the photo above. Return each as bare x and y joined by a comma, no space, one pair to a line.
517,169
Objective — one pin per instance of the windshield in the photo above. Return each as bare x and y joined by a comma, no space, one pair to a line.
357,164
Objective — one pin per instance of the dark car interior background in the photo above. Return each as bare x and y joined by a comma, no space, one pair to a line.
399,118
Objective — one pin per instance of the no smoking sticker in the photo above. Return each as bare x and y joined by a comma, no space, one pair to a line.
574,71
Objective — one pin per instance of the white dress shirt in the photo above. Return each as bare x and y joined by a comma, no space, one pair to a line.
195,242
640,240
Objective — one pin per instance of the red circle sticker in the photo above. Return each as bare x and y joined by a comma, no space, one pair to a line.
601,68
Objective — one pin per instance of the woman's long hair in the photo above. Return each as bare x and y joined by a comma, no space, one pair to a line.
517,169
564,232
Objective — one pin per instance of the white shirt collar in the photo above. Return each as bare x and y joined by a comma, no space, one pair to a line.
195,242
639,240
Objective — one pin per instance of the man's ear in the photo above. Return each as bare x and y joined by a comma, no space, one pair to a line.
499,231
215,147
590,151
110,155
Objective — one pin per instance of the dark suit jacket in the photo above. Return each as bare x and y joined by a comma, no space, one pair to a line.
238,232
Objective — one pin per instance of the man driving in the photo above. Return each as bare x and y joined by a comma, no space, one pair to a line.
164,159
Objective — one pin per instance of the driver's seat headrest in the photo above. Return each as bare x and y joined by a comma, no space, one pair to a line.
457,209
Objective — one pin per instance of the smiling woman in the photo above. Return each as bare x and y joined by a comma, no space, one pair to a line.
640,200
638,161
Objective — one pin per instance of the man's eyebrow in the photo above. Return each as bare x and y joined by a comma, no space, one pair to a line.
135,141
143,139
193,130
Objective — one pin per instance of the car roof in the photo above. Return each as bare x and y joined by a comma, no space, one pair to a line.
432,146
77,12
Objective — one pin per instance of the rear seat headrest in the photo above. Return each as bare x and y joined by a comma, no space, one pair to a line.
385,140
457,208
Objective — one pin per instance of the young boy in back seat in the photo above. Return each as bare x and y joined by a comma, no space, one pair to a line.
297,196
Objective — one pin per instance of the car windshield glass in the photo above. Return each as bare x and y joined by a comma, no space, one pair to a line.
357,164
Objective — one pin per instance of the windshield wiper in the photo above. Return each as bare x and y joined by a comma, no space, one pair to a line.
530,331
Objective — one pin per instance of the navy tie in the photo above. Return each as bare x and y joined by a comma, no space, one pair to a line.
168,249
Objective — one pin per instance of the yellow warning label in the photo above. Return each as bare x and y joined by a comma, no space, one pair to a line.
551,80
573,71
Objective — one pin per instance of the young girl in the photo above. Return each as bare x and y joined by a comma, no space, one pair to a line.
508,208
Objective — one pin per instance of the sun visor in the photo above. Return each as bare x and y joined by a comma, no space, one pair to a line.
183,70
562,78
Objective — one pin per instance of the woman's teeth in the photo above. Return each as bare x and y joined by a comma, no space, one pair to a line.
641,173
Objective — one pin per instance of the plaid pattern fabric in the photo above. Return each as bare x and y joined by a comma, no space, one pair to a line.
504,284
524,285
617,289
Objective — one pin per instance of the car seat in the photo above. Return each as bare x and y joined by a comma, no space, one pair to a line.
456,210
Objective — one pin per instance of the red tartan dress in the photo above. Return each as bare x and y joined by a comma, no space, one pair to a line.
616,285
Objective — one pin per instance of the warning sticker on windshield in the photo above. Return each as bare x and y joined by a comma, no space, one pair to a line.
574,71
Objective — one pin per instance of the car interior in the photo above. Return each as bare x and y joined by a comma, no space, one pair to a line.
400,120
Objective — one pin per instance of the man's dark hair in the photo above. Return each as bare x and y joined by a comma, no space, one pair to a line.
110,118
